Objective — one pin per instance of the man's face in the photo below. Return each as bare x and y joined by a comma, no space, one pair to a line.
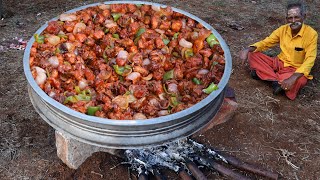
295,18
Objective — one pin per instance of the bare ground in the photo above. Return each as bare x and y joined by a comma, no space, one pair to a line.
270,131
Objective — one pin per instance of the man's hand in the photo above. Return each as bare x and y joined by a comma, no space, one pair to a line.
287,84
244,53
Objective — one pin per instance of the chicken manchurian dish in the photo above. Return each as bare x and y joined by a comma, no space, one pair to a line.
126,61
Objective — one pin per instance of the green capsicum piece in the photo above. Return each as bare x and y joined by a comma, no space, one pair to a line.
116,16
82,97
212,40
165,89
39,38
175,54
105,57
63,36
122,70
86,92
135,41
121,79
119,69
174,101
77,89
140,31
196,81
115,36
71,99
188,53
47,72
166,41
57,51
127,70
214,63
210,88
92,110
168,75
104,54
175,36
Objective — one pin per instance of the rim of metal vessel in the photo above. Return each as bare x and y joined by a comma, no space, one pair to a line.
222,84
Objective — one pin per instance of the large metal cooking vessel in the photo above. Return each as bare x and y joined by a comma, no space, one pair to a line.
124,134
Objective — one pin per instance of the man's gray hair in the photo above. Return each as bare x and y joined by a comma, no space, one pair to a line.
297,3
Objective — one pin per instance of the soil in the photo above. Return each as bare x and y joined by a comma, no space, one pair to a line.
270,131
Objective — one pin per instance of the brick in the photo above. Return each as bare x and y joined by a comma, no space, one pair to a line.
73,152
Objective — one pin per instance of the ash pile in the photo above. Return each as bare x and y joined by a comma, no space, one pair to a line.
186,158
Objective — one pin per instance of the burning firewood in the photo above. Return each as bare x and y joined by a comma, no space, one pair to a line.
185,157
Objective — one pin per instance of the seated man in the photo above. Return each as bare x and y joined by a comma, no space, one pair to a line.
289,71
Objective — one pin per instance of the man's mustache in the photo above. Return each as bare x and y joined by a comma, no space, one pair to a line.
295,24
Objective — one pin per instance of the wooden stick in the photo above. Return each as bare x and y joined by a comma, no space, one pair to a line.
158,175
184,175
222,169
249,167
236,162
195,171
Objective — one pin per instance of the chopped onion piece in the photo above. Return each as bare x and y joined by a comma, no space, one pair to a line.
164,104
184,23
121,101
163,113
41,75
68,17
156,8
61,33
141,70
160,31
162,96
104,6
70,47
52,94
194,35
146,62
131,98
133,76
147,78
54,61
76,52
53,39
113,61
154,102
139,116
203,71
79,27
39,70
83,84
172,88
123,54
110,23
138,103
185,43
165,50
137,13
